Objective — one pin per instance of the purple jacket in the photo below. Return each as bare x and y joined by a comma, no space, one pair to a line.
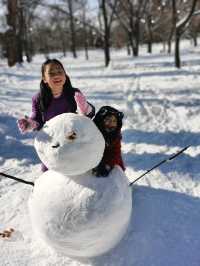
57,106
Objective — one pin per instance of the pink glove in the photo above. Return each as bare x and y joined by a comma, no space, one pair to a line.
27,124
83,106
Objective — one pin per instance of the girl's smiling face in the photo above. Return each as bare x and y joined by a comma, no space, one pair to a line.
55,77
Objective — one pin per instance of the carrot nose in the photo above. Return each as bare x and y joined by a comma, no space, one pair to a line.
71,136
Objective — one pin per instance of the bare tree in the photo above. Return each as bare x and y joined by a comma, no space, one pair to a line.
84,25
19,19
180,26
108,16
26,12
194,27
59,29
68,8
78,23
11,33
72,27
129,14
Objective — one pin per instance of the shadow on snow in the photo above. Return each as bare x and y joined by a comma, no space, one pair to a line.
168,138
164,230
182,164
11,141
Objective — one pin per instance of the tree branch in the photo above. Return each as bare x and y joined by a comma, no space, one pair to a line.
181,24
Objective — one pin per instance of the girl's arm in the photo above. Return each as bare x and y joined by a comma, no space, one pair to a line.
91,114
111,157
83,106
36,113
112,154
34,122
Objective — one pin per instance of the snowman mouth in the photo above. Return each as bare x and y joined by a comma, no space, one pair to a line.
56,145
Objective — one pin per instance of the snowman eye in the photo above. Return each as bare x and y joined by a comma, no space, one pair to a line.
56,145
71,136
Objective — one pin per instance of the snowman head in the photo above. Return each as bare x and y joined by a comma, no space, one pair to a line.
70,144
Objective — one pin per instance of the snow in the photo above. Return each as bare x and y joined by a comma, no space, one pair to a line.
161,106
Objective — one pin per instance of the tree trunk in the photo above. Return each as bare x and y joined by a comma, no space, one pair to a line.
106,35
20,35
86,49
149,45
169,46
195,40
11,51
10,35
72,29
149,34
164,46
128,48
64,48
62,39
27,49
172,31
27,43
177,50
131,42
107,50
135,50
136,38
85,40
180,29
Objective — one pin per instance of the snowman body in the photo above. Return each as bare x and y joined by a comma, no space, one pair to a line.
71,210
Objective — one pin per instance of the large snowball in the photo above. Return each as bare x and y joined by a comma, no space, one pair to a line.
70,143
83,216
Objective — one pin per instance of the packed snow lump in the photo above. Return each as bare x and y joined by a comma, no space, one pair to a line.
73,211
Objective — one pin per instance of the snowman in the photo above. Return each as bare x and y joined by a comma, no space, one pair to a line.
73,211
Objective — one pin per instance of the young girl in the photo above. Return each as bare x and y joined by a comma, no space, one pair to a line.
109,122
56,96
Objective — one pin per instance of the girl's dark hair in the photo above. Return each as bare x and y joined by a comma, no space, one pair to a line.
46,94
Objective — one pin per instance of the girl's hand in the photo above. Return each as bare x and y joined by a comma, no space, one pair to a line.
82,105
26,124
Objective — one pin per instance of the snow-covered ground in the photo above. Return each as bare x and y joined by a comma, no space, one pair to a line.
162,114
